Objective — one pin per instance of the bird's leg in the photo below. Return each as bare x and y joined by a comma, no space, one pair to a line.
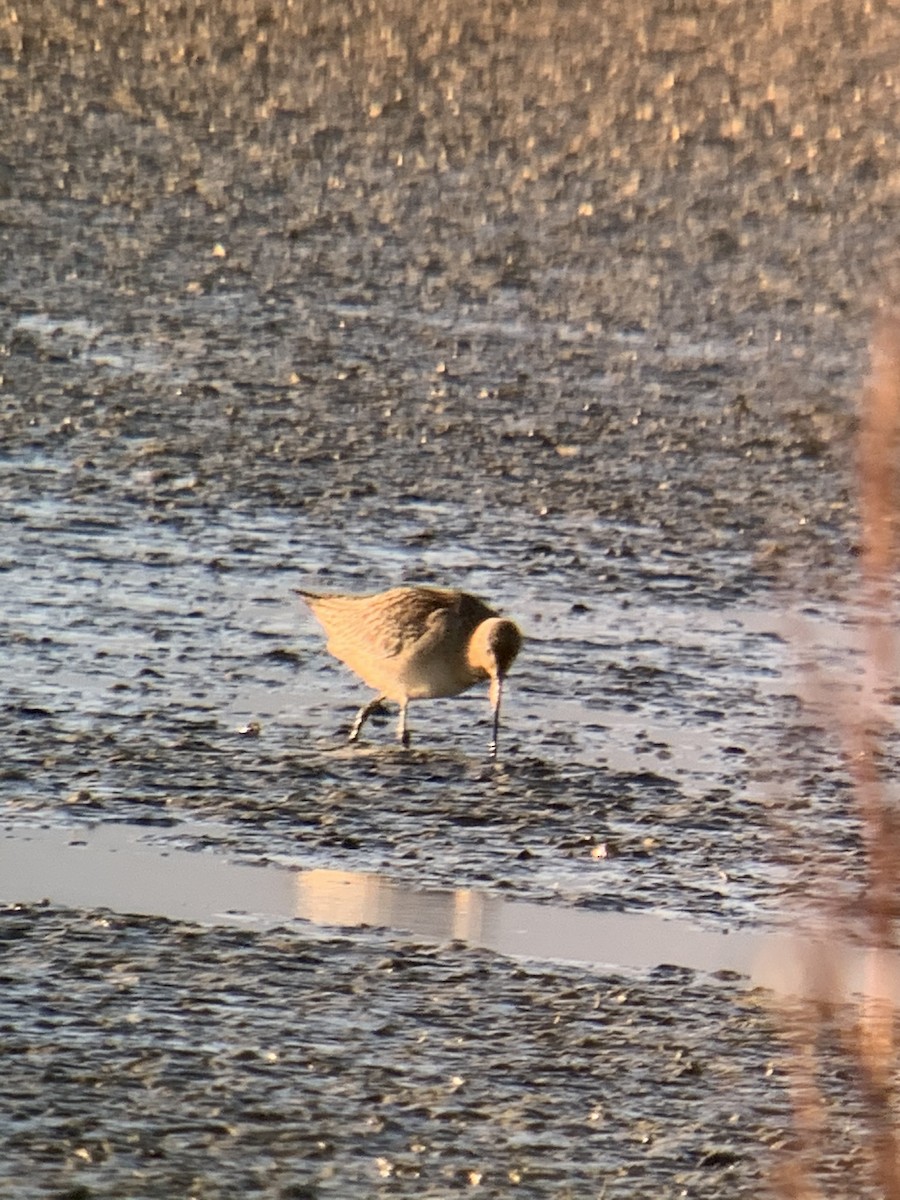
402,731
363,715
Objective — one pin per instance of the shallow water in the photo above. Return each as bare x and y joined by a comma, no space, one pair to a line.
109,866
129,869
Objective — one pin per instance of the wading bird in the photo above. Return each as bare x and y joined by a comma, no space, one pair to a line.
417,643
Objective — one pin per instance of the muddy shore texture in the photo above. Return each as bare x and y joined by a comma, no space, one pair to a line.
566,304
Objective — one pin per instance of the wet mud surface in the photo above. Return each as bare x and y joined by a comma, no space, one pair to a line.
157,1059
568,309
638,767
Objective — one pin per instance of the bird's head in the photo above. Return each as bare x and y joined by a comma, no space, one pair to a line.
494,646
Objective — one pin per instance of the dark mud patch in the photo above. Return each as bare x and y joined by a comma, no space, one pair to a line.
144,1057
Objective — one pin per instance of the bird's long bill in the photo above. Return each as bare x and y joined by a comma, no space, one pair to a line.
496,696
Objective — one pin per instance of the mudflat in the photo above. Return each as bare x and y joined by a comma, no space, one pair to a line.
564,305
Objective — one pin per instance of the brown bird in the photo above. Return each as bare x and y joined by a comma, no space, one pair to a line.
417,643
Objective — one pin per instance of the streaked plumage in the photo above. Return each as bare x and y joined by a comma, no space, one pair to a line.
412,643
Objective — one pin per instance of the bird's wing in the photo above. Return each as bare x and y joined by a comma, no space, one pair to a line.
372,627
406,616
392,623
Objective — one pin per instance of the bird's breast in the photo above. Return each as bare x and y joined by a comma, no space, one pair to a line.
435,676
